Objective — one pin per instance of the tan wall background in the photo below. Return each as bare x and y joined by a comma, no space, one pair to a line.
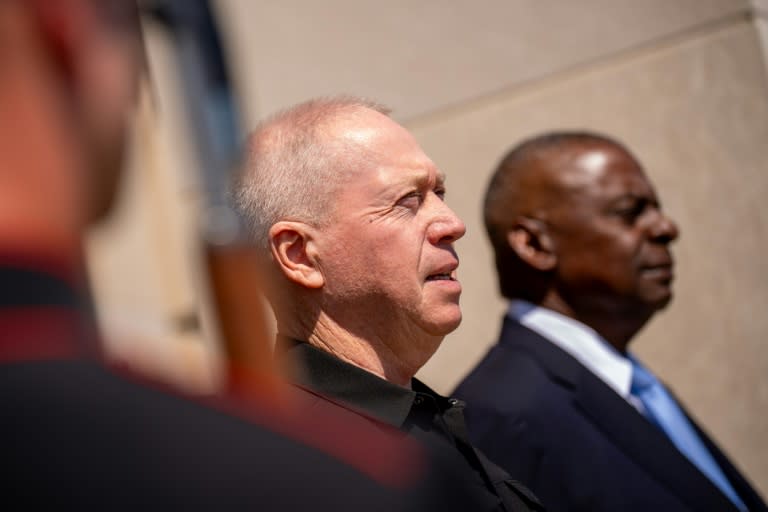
682,82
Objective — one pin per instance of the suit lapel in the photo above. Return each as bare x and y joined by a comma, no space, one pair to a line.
622,425
743,488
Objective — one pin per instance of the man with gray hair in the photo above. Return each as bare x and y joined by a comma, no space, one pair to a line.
350,215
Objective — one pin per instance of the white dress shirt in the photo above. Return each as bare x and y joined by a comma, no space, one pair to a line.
581,342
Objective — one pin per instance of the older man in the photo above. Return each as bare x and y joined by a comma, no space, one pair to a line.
352,214
582,251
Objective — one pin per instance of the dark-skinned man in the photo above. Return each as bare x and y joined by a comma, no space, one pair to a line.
582,250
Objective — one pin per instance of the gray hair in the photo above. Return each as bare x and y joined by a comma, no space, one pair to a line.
293,164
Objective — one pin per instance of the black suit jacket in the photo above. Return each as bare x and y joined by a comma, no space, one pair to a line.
550,422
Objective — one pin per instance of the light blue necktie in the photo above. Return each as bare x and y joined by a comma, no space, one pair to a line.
662,410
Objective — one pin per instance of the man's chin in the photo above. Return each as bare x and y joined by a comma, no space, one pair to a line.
664,302
445,324
654,303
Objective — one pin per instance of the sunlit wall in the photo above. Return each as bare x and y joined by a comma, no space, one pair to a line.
682,82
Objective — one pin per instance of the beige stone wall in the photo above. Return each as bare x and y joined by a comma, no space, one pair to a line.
695,111
682,82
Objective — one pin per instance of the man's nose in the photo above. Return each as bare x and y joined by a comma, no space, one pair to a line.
446,227
664,229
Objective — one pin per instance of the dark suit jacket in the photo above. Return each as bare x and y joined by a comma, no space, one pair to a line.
554,425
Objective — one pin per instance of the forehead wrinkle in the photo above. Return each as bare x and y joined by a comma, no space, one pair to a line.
418,166
405,176
420,175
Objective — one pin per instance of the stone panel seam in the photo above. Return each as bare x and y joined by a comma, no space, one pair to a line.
524,87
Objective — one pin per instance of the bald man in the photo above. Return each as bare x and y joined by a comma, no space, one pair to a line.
582,251
357,239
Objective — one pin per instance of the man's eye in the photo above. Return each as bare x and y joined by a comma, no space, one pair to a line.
440,192
411,200
631,212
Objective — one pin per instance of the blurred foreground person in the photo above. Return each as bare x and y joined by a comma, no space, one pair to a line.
350,215
74,433
582,252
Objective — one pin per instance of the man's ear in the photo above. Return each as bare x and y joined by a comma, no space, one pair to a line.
294,250
531,241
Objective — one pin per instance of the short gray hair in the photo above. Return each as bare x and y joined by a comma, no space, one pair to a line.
292,164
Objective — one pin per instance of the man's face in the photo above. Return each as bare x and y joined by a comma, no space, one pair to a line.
611,238
387,257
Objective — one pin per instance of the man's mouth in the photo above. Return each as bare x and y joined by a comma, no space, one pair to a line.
446,276
661,271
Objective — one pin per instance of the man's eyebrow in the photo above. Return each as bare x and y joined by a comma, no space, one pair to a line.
439,176
421,176
641,198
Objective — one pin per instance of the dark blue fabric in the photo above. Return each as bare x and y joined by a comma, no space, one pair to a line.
538,413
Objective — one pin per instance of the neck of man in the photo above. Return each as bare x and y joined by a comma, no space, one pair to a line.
394,357
616,327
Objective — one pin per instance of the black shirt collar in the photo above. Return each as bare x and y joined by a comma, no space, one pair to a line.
354,387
